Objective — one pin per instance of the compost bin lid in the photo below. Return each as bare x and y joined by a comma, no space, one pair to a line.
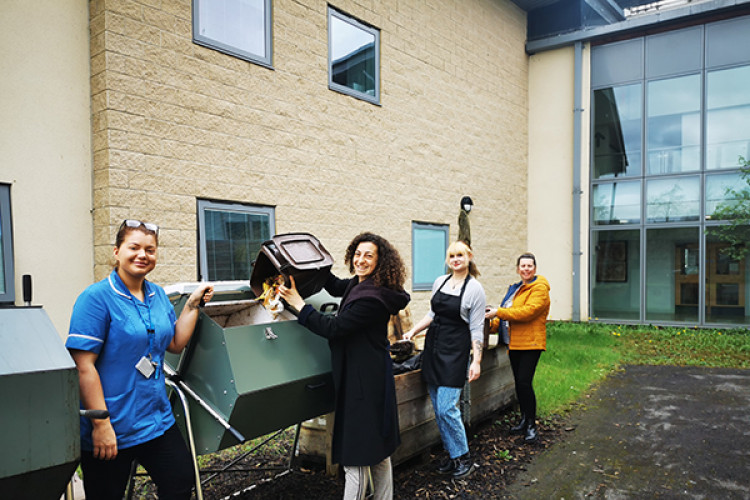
300,255
30,343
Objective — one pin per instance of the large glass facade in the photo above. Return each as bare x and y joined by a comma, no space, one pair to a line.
670,133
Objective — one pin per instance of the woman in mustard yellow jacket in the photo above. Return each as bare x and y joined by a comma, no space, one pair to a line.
525,309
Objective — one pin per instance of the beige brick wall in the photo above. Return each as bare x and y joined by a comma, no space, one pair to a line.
174,121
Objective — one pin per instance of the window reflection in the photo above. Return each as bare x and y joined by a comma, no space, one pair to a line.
727,117
616,284
239,27
617,203
672,274
724,196
231,236
672,200
726,281
429,243
617,131
674,125
2,256
354,55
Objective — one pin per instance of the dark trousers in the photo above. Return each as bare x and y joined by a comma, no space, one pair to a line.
524,364
166,459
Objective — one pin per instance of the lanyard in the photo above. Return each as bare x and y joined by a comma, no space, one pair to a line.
149,328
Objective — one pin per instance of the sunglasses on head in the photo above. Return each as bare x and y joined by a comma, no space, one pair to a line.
137,223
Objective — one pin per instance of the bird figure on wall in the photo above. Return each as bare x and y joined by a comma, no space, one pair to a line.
464,228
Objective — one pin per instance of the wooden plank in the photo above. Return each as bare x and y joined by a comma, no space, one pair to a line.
410,386
494,390
416,440
414,412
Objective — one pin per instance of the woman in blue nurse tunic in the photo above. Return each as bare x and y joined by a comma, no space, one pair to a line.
120,329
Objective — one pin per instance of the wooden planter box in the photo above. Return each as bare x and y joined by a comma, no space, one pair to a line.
493,391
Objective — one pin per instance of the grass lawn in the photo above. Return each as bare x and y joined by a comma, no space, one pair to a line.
579,355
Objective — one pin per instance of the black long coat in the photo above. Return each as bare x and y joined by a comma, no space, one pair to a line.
365,430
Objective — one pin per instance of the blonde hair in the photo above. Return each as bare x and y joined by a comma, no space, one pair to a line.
460,247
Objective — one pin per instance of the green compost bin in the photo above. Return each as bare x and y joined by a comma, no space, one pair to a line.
257,373
39,426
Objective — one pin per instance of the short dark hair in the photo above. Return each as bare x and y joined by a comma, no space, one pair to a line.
527,255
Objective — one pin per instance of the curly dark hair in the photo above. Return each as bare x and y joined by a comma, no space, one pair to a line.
390,271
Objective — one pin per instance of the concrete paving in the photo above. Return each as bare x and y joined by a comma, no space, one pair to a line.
652,432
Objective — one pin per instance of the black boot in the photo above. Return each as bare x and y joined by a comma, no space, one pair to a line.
531,434
463,466
447,465
520,428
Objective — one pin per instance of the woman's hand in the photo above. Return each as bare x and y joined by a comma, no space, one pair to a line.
204,293
104,440
185,325
490,313
291,295
475,370
423,323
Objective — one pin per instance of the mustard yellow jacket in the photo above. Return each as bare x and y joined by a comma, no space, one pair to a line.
528,316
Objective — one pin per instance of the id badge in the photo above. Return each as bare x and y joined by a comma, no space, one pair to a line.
145,366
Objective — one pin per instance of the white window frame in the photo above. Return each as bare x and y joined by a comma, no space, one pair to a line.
204,205
265,59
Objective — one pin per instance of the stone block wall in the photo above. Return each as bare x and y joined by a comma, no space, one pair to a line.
173,122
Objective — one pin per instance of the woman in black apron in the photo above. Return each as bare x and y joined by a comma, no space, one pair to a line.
456,329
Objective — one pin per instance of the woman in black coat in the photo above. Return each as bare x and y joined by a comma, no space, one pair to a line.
365,430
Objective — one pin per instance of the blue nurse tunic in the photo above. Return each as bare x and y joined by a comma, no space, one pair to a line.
109,321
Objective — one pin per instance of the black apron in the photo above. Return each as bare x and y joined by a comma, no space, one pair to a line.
448,341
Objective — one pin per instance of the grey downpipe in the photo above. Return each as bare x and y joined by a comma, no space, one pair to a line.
577,190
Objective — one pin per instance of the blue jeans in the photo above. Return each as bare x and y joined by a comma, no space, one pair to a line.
448,418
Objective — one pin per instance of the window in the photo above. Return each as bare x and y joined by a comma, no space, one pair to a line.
727,117
230,237
617,275
672,272
617,203
7,289
241,28
429,244
673,125
353,57
673,199
617,131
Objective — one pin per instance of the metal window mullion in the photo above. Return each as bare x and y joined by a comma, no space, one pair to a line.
644,169
702,285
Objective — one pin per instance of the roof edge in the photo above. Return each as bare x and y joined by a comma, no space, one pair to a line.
646,21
